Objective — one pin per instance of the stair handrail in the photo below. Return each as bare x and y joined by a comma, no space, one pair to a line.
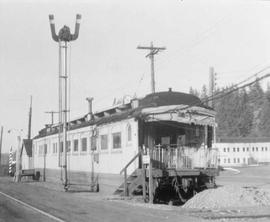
125,171
130,162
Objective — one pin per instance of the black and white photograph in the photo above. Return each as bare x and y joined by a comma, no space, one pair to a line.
135,110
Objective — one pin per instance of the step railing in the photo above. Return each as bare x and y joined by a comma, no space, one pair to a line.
124,170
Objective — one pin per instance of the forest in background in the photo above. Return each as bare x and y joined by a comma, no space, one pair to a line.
242,113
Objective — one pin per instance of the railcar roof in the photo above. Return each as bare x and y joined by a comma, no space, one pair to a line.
126,111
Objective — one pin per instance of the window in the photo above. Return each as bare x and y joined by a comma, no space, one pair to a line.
247,149
233,149
229,160
75,145
262,148
129,133
253,149
238,160
84,144
54,147
104,142
40,150
228,149
116,140
224,160
244,149
68,146
61,147
265,148
45,148
237,149
93,143
234,160
256,148
224,150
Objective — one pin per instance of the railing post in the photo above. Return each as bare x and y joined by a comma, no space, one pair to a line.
125,182
151,197
143,176
176,159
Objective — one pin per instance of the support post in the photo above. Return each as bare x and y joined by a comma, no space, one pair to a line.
125,182
143,176
93,172
18,161
151,187
206,136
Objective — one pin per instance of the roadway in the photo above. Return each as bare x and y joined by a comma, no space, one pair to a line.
36,200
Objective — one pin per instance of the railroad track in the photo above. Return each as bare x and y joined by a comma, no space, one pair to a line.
32,207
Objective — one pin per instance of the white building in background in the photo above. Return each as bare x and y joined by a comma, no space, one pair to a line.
243,151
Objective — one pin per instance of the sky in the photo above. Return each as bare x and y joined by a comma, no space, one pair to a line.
232,36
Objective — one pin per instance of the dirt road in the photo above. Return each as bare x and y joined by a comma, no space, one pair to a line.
77,206
83,206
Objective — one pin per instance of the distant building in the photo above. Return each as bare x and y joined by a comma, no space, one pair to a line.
243,151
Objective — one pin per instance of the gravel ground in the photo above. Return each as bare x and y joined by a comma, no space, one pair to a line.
229,196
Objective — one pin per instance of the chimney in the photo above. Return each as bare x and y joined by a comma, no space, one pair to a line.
90,110
170,89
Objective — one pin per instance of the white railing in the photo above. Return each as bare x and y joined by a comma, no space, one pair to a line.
173,156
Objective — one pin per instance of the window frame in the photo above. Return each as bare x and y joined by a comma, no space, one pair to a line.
82,144
75,141
119,142
106,137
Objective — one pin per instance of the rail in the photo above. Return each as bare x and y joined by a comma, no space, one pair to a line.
173,156
124,170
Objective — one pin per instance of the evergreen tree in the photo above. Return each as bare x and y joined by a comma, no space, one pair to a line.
264,124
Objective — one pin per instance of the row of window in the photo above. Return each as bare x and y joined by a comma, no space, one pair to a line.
73,145
235,160
245,149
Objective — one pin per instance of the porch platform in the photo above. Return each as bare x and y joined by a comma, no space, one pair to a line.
159,173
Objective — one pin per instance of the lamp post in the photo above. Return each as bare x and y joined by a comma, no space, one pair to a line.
18,154
64,36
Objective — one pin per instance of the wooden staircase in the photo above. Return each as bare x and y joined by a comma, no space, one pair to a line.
134,184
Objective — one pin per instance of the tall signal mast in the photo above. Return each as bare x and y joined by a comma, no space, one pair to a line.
64,36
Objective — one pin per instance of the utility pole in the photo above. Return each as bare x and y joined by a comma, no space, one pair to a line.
62,39
52,113
153,51
1,140
212,88
30,119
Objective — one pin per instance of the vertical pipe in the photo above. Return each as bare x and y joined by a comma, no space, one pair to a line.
60,107
65,117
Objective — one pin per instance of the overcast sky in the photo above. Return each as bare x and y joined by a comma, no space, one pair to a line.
232,36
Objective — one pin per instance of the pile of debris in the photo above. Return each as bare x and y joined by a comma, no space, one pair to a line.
229,196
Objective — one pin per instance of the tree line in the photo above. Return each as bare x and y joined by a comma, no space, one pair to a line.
243,113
